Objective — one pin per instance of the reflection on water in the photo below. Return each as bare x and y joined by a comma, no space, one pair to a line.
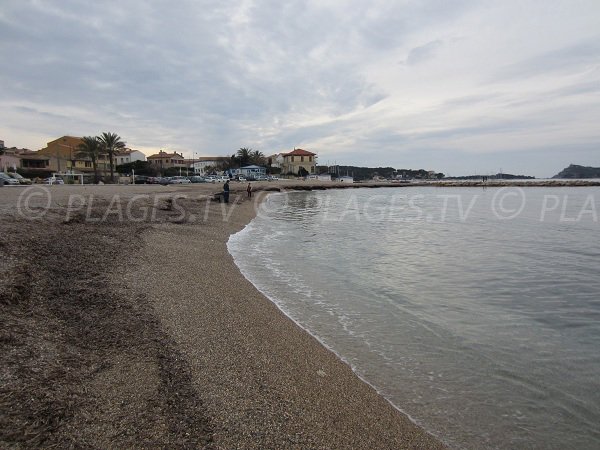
475,312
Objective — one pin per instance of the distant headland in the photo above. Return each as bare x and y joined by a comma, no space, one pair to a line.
575,171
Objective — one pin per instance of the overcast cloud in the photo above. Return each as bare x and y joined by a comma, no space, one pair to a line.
456,86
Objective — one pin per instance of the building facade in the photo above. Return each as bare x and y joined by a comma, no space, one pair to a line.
163,160
128,155
64,157
275,160
63,153
202,165
297,159
252,171
9,162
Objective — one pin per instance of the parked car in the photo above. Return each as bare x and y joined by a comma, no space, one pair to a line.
141,179
272,178
261,178
240,178
20,178
211,179
157,180
179,180
6,180
197,179
54,180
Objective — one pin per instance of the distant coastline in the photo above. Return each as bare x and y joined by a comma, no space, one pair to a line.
315,185
579,172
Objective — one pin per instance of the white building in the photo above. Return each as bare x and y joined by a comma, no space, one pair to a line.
276,160
127,156
203,164
252,171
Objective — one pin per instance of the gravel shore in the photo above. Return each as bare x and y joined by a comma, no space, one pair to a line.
126,323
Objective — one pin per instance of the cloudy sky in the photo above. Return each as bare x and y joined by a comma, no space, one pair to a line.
459,86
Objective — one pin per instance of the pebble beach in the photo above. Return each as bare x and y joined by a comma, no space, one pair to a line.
126,323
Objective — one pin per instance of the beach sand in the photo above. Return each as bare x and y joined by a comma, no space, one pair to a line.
126,323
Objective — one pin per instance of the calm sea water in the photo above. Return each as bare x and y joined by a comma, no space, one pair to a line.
476,312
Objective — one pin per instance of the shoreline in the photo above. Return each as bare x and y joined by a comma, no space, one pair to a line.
187,352
281,384
328,347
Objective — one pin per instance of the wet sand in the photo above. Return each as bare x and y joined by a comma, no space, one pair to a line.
127,324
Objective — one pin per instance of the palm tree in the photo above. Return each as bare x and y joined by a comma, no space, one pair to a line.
91,148
243,155
257,157
111,142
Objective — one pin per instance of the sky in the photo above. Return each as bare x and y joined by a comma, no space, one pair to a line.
456,86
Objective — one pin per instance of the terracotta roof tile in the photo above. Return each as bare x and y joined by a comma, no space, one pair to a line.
166,155
299,152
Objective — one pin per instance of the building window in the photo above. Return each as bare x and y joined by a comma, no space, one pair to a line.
88,164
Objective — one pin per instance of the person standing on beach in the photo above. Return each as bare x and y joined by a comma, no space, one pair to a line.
249,190
226,192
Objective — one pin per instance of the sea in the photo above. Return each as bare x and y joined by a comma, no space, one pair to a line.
474,311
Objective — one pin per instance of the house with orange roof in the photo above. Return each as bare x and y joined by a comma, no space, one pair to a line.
63,156
163,160
298,158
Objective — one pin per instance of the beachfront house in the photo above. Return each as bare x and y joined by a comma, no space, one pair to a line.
298,161
203,165
128,155
62,154
275,160
64,157
252,171
163,160
9,161
34,165
25,161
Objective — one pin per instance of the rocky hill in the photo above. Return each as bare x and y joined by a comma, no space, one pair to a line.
575,171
